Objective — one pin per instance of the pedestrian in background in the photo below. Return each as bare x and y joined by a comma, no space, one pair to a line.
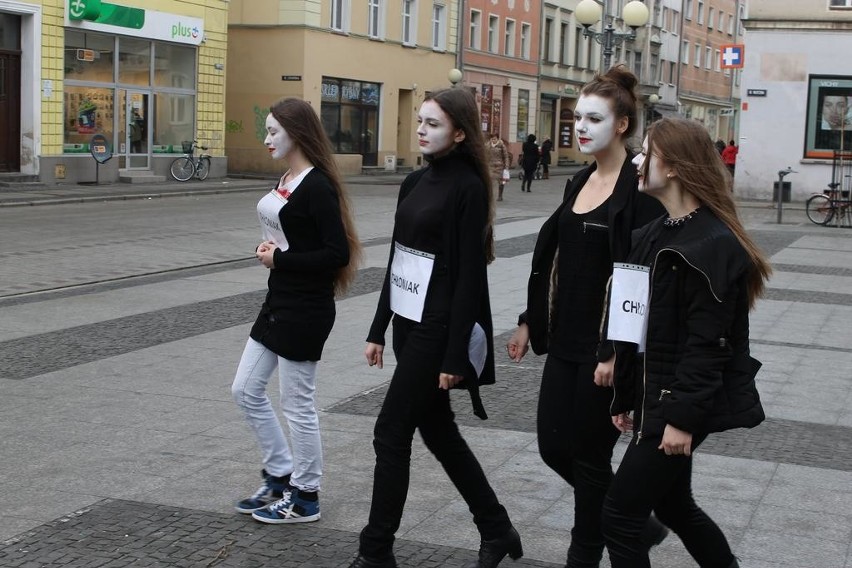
442,336
720,145
312,252
530,156
546,149
576,248
695,375
499,163
729,156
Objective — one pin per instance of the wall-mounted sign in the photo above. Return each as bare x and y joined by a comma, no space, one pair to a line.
291,77
756,92
733,56
94,15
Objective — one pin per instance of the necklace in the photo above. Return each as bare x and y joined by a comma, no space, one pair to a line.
678,221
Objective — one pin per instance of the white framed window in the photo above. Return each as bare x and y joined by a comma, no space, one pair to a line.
548,37
672,73
475,35
687,9
564,43
578,45
710,18
637,63
439,27
409,22
717,60
731,21
675,22
375,17
509,38
697,55
526,33
721,26
493,22
840,4
658,15
665,19
654,70
340,15
700,12
684,52
708,57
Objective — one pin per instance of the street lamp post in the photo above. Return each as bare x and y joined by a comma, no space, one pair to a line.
588,12
454,76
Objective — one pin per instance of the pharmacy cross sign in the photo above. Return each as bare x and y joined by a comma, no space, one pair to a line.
733,56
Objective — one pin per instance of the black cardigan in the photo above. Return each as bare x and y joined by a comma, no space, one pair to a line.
628,210
465,218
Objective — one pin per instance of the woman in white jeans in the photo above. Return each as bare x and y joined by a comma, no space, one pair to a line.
311,250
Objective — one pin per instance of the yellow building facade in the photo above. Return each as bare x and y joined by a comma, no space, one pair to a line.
364,66
143,75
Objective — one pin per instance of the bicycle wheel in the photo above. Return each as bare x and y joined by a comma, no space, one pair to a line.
182,169
819,209
203,169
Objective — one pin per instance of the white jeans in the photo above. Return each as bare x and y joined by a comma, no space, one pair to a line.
297,386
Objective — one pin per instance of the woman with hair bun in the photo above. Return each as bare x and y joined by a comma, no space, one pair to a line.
571,267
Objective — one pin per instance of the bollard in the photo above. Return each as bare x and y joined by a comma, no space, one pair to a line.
781,174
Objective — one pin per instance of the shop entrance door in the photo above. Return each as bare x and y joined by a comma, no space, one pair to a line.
135,132
10,112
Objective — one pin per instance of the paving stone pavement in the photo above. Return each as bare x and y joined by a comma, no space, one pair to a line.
120,446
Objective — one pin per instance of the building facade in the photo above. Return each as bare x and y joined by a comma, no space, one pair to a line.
146,75
797,92
365,65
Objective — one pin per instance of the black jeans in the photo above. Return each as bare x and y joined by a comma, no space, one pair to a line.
575,439
647,480
414,401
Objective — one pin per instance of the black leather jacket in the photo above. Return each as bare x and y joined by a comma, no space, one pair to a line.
697,373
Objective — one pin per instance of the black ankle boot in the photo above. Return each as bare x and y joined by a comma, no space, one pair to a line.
734,564
362,562
491,552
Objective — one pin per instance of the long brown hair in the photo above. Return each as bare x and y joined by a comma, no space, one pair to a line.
685,146
618,85
303,126
460,107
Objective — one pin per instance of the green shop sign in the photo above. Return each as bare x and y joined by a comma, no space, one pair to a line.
96,15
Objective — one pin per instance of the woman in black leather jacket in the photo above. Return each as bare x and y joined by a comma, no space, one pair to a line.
695,375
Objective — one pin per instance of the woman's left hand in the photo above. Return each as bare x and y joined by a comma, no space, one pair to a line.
447,382
266,254
676,441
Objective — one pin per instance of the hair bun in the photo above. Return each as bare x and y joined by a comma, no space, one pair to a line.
623,77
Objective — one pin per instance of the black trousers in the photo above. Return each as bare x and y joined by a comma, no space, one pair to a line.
414,401
649,480
575,439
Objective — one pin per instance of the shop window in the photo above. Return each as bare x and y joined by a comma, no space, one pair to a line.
134,61
174,66
174,121
88,111
349,114
829,116
523,114
89,57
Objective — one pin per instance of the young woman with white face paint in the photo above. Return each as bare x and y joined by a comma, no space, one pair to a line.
312,252
695,375
576,249
436,293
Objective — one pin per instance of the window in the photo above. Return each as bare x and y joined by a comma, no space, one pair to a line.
563,43
700,12
578,45
340,15
697,55
731,22
721,26
509,40
525,40
840,4
710,18
548,36
687,9
475,36
134,61
658,15
493,22
409,22
675,22
654,69
684,52
828,124
439,26
665,20
374,18
523,114
637,63
349,112
708,57
671,72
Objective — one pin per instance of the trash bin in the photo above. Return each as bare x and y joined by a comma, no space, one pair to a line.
785,192
390,163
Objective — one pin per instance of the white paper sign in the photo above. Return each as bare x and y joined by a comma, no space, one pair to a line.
270,223
628,303
410,273
477,349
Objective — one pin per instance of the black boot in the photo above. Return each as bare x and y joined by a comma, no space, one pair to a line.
362,562
491,552
734,564
654,532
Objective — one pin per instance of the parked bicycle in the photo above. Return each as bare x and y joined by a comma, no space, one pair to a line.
189,165
830,205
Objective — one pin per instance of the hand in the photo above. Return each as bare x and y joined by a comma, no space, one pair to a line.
604,372
676,441
373,353
519,343
623,422
265,253
447,381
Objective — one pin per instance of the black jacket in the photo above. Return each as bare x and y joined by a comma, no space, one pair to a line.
628,210
697,373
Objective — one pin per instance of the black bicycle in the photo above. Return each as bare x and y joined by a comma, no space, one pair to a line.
188,166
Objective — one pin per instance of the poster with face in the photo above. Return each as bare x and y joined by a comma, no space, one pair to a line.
829,118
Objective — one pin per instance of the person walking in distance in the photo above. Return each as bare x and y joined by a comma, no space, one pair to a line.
546,149
574,252
695,375
312,252
442,338
529,162
498,162
729,156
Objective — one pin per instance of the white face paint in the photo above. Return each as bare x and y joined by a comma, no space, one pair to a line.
277,140
435,132
595,124
656,178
